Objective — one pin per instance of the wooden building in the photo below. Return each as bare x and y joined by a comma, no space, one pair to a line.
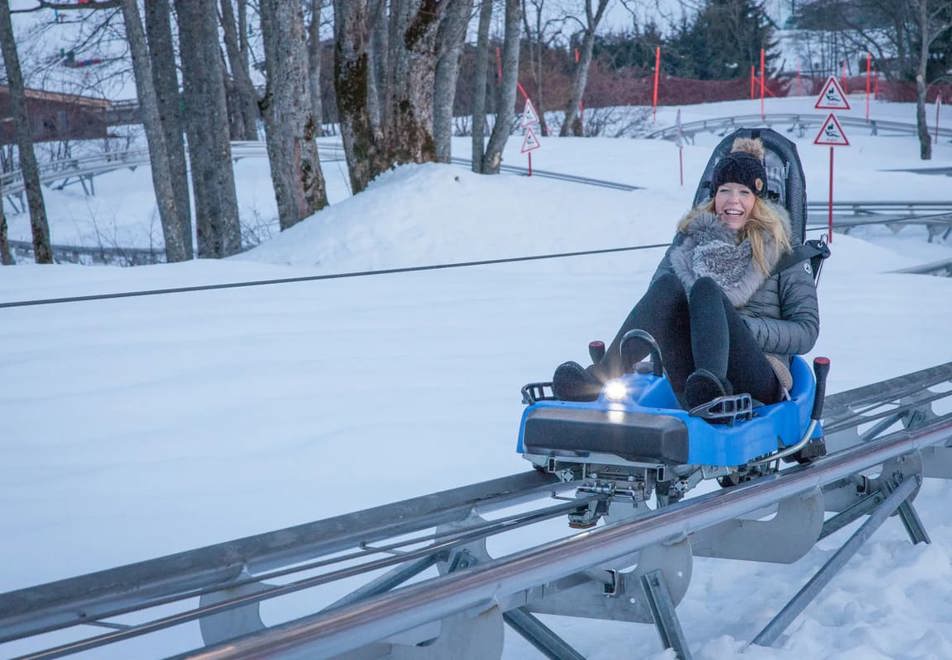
55,116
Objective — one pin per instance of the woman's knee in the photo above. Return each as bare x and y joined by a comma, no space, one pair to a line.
705,288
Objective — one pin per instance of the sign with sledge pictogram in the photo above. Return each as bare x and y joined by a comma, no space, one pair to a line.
529,116
831,133
832,97
530,142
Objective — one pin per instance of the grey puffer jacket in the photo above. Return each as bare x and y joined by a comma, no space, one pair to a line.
780,310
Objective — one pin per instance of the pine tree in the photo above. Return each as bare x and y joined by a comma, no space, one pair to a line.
724,39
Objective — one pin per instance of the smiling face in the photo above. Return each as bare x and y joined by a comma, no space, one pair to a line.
733,204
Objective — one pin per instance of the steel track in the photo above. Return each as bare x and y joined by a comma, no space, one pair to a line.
97,597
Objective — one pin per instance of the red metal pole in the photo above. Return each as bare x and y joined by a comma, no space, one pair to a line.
829,233
843,76
762,78
869,72
522,90
657,71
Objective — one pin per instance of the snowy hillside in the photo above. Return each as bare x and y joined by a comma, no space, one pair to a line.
137,427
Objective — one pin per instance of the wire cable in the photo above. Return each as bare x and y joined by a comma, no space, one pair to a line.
314,278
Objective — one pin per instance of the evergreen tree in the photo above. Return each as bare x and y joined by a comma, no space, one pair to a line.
723,40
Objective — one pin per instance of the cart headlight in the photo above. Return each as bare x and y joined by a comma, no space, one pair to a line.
615,390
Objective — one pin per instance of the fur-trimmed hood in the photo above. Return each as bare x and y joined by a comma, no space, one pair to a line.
709,248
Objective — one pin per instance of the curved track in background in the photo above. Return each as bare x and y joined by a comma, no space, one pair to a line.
798,122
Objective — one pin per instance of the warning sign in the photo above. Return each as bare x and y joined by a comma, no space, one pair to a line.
831,133
832,97
530,142
529,116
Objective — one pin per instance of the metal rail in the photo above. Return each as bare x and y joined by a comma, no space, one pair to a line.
500,581
243,563
797,121
76,600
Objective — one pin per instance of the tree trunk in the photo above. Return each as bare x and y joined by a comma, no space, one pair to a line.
572,124
6,258
213,182
314,66
178,240
168,103
361,138
246,97
450,38
506,109
409,125
377,54
295,167
925,140
480,76
24,137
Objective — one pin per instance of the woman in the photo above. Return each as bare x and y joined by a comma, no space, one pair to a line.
724,321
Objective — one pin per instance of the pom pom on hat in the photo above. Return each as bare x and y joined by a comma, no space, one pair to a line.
743,165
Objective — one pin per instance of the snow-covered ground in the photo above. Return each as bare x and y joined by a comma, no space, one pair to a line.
133,428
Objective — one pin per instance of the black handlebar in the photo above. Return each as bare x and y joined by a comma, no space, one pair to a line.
821,368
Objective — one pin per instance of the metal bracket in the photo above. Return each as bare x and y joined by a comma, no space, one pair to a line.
783,539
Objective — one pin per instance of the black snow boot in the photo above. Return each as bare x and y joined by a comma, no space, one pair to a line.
573,382
703,386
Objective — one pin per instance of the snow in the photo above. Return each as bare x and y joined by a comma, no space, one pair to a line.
138,427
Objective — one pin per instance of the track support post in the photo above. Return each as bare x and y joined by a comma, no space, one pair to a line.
665,616
540,636
769,635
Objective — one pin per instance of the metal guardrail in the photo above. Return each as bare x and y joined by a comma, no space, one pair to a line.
797,122
935,216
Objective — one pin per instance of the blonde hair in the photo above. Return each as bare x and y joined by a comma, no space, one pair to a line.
765,220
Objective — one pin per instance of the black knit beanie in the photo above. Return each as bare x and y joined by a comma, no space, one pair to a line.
740,167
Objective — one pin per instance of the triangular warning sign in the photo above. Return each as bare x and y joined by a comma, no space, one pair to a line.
831,133
832,97
530,142
529,116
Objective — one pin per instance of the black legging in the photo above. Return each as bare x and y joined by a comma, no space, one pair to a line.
698,330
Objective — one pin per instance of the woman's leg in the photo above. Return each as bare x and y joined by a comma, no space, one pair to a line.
722,344
663,313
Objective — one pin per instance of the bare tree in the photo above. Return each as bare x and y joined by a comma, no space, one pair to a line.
450,38
378,50
314,64
572,124
238,64
295,167
206,123
480,79
363,140
162,58
404,133
539,37
24,137
506,105
409,124
6,258
932,22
